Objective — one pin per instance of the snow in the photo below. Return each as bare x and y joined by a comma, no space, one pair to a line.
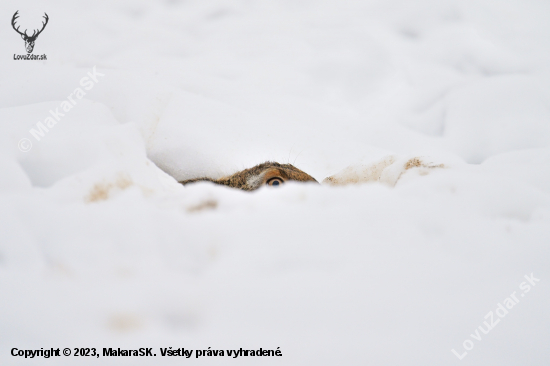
429,119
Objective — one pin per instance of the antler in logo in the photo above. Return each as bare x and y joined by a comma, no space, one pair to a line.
29,40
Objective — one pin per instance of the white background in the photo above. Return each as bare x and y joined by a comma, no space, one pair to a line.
100,247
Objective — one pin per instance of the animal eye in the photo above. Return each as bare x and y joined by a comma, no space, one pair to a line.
274,182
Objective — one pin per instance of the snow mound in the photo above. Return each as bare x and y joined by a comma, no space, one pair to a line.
389,171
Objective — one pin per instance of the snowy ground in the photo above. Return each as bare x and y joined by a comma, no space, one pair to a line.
100,247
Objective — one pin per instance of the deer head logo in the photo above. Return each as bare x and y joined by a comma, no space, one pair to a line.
29,40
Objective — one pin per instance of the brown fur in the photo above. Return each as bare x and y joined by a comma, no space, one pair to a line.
256,177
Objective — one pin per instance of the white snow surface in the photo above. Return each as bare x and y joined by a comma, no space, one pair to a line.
101,247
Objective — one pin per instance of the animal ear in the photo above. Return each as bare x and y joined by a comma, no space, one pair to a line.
23,36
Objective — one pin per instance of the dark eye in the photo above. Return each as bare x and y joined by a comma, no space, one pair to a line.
274,182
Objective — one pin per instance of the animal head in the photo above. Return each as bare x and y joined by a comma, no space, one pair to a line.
270,174
266,174
29,40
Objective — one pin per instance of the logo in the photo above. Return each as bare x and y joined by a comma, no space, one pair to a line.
29,40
